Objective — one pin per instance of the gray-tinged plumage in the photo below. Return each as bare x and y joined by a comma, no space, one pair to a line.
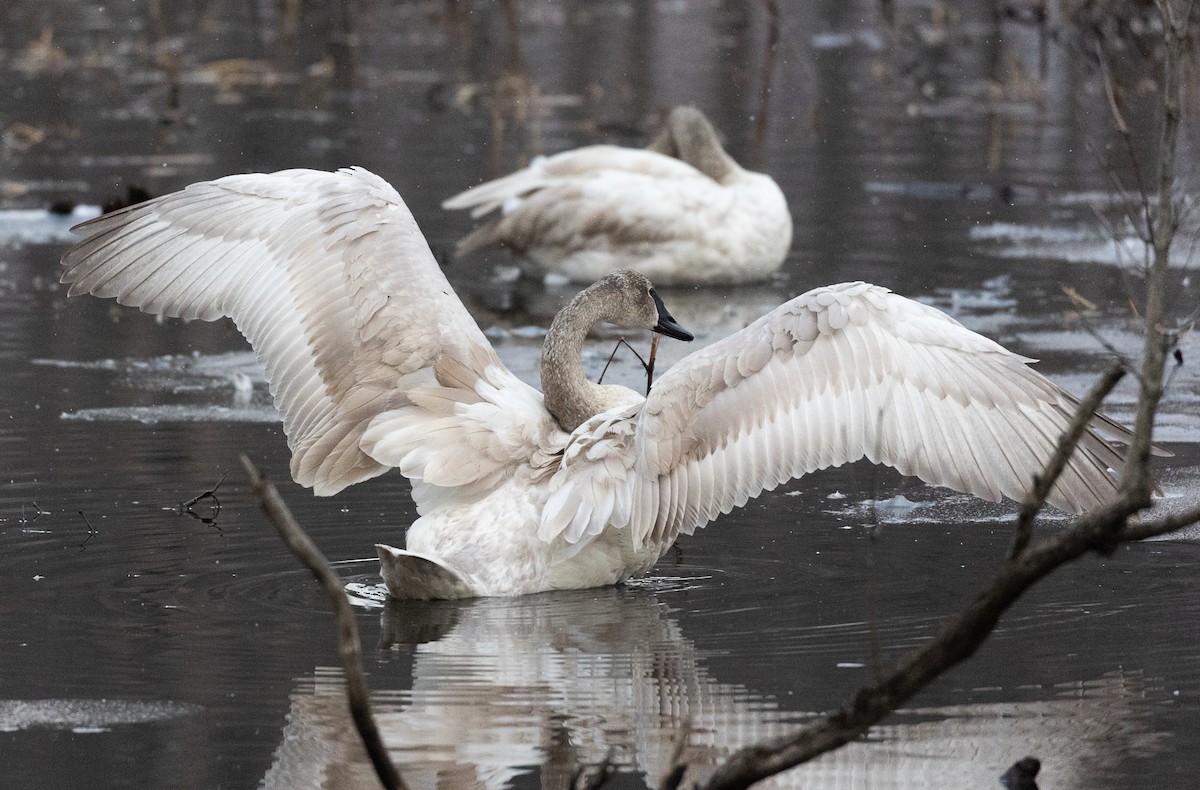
680,211
374,363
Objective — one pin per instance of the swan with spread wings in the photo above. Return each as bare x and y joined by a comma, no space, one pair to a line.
375,364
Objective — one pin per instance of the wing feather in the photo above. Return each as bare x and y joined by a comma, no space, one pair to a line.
334,286
847,372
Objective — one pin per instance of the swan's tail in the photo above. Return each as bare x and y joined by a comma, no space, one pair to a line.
410,575
484,236
495,194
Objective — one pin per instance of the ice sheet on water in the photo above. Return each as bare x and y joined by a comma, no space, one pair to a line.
866,38
39,226
1071,244
151,415
934,505
367,596
229,372
229,379
86,715
992,295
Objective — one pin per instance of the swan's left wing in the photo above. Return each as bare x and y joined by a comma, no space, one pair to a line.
842,373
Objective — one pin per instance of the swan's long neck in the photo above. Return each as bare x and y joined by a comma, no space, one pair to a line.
688,136
569,396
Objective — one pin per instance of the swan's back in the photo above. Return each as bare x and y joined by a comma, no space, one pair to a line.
590,211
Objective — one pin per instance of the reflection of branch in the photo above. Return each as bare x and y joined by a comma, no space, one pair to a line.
351,650
677,766
956,642
593,778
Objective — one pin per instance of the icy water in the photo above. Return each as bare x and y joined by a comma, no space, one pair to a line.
142,647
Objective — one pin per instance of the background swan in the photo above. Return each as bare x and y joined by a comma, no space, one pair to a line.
375,363
681,211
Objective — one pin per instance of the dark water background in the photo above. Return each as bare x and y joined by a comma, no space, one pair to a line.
144,648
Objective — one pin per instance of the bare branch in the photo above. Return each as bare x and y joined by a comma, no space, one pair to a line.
1045,481
1136,481
1163,526
956,642
1100,530
306,551
1127,137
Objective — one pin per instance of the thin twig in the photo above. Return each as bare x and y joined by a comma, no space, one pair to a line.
306,551
650,364
1123,129
210,493
1163,526
1044,482
759,134
92,531
186,507
621,342
954,644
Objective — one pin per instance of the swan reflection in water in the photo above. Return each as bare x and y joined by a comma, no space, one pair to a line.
503,687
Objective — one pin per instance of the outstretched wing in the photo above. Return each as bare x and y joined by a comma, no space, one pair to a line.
847,372
330,279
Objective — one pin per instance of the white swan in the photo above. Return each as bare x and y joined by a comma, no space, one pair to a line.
681,211
375,363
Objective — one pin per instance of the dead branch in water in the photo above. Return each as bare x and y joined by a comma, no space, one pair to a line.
186,508
348,643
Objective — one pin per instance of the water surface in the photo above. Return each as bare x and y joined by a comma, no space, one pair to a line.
145,647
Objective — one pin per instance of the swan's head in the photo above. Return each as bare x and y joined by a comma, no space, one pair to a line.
688,136
631,301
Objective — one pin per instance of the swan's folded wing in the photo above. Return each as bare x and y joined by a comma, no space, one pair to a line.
568,166
592,486
847,372
329,278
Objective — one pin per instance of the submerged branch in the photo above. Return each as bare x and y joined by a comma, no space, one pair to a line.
350,647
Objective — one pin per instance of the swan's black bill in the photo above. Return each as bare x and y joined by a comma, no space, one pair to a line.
666,324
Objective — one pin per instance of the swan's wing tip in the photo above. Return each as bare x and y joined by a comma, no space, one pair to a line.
409,575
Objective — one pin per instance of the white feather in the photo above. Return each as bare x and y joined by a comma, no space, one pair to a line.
374,363
588,212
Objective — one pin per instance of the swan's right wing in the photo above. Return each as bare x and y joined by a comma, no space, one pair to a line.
330,279
847,372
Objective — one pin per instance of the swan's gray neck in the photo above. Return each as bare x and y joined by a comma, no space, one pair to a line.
569,396
688,136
